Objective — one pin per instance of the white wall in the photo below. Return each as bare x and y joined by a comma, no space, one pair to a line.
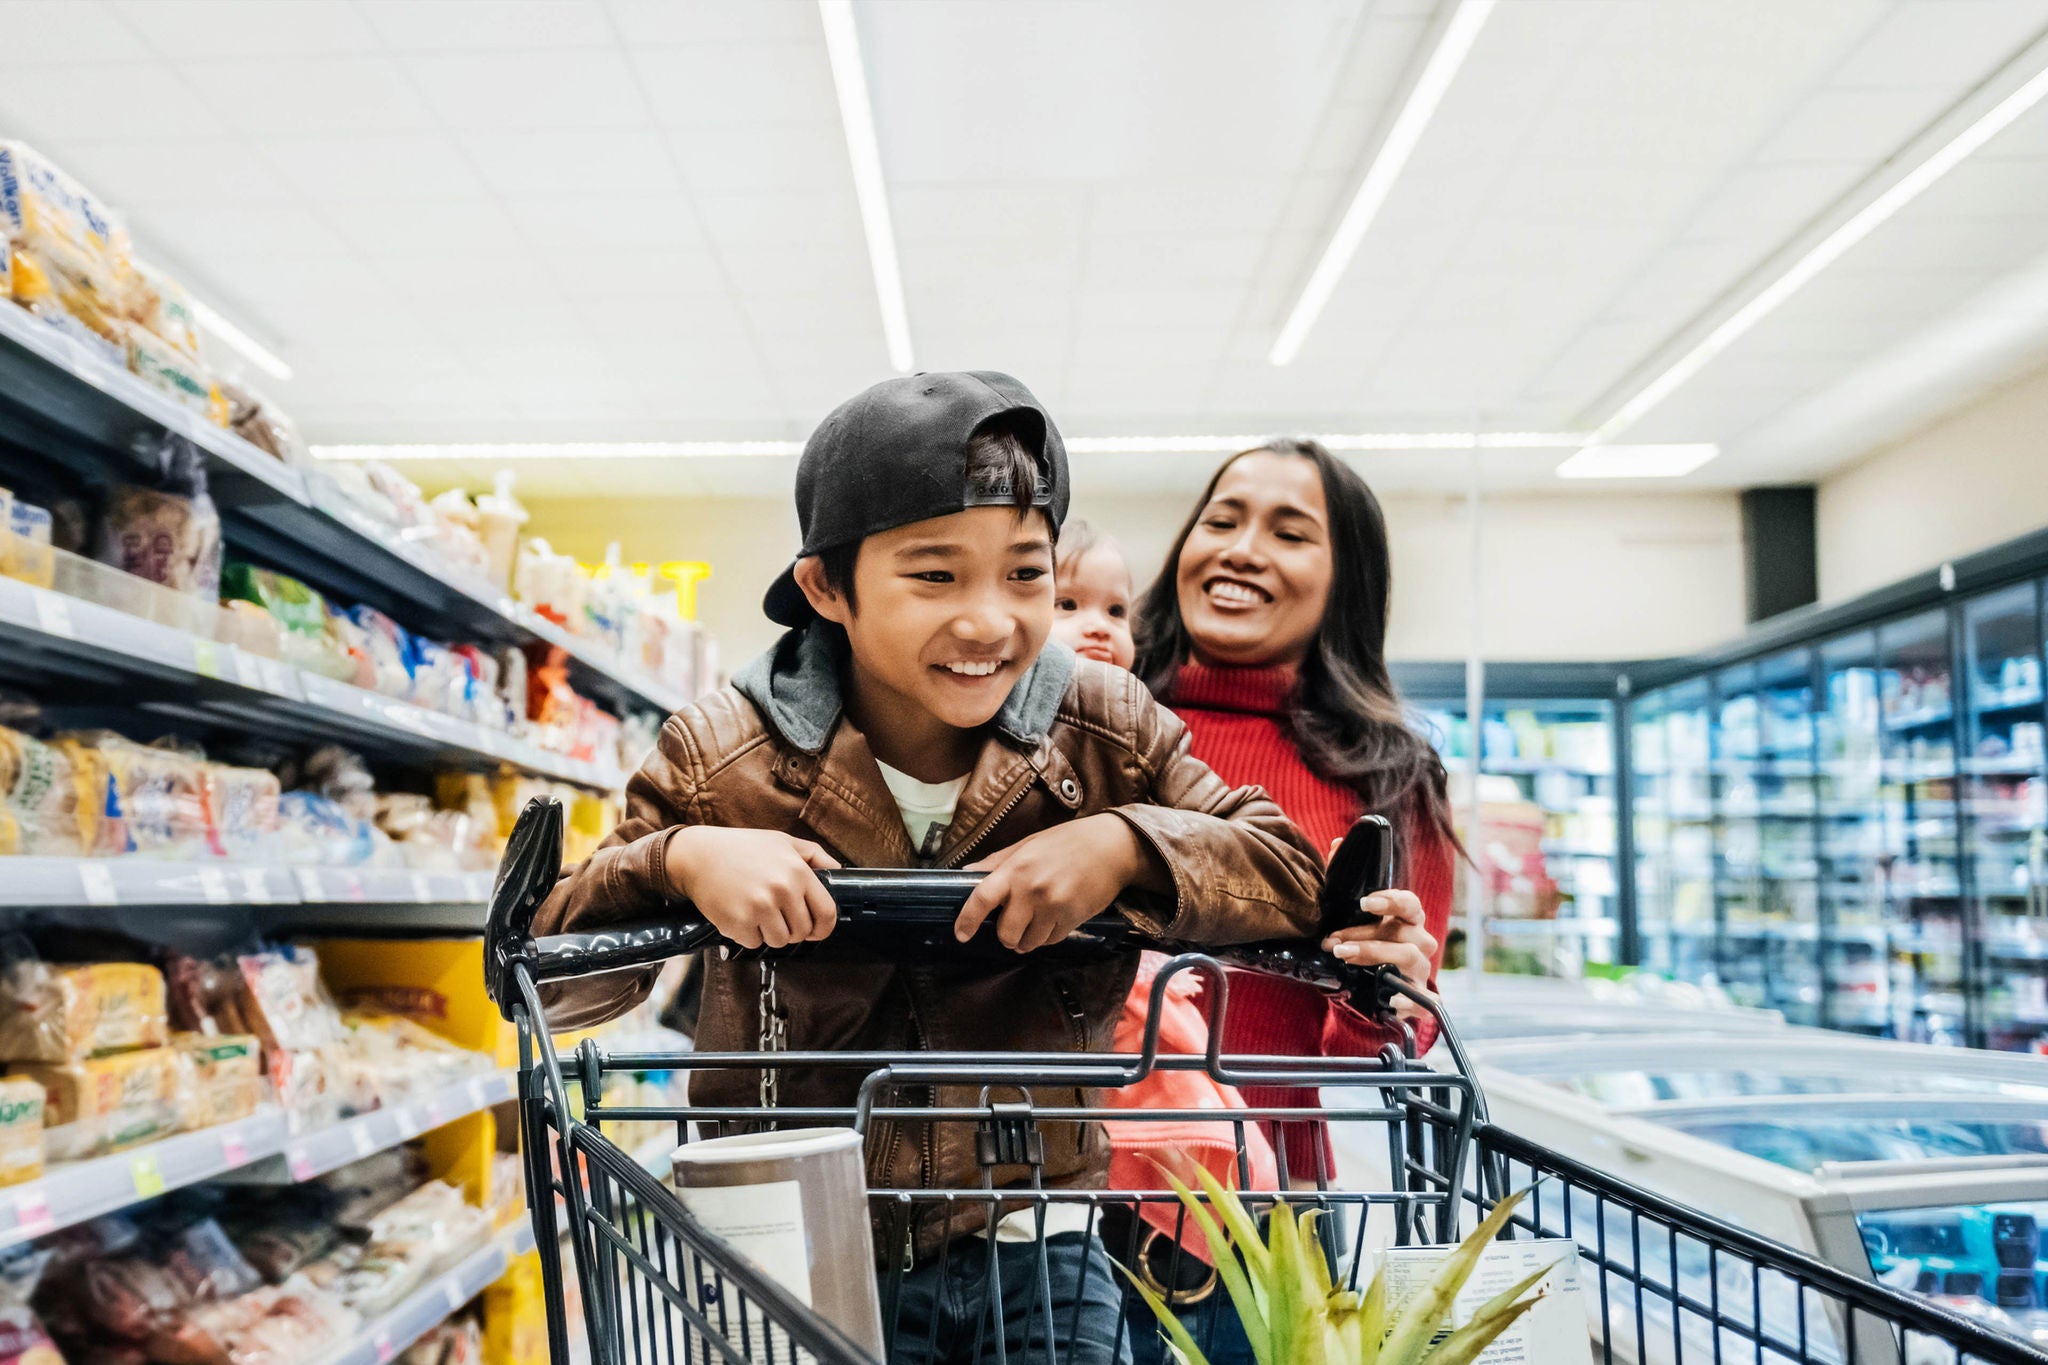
1598,576
1976,477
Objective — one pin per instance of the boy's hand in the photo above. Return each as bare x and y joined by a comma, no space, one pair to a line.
758,887
1045,886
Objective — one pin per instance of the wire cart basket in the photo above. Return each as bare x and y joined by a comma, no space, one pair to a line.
1663,1284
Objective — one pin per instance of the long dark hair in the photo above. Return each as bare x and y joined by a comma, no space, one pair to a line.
1346,719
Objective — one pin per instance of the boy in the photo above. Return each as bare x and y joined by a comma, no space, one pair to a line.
1092,600
915,714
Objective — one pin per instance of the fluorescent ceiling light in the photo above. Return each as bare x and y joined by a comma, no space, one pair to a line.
250,349
1078,445
1636,462
1452,47
849,78
1825,253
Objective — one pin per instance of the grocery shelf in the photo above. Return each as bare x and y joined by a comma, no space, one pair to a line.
72,642
78,1191
54,386
277,897
383,1338
60,398
330,1148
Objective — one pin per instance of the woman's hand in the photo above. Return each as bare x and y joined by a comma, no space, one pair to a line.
1397,938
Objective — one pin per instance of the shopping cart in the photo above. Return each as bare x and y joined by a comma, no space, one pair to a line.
1666,1285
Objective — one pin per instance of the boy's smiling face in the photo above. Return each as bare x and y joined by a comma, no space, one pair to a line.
946,615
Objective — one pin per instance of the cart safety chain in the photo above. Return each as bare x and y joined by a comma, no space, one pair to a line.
774,1036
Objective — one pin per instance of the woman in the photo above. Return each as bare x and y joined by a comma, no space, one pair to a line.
1266,632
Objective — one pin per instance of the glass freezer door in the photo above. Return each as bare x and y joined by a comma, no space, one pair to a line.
1921,852
1677,921
2005,808
1855,957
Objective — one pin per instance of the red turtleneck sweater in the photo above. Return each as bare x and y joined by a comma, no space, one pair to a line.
1236,719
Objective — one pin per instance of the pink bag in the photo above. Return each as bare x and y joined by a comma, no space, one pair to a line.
1133,1147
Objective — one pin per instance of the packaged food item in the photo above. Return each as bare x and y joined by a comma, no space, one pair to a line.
21,1132
151,799
263,424
41,796
97,1086
105,1104
251,629
159,304
289,1008
206,1264
299,611
44,208
163,537
499,517
286,1232
67,303
29,556
170,371
220,1056
459,1341
384,641
52,1013
242,810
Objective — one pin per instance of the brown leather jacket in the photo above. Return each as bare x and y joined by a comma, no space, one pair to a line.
1075,738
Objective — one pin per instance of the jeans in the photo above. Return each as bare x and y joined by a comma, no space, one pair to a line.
945,1310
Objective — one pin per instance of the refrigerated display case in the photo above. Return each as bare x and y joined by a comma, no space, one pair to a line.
1919,1166
1878,807
1559,755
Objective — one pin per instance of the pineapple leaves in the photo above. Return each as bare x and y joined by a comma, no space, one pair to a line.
1295,1312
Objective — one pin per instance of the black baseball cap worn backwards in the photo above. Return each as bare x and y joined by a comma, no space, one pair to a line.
897,453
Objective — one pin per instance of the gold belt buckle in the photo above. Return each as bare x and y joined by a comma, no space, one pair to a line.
1147,1276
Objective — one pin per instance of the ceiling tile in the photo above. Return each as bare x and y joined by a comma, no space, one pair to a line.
66,33
145,103
405,166
384,228
413,26
725,85
764,157
556,89
615,161
1936,43
311,96
217,171
217,30
650,22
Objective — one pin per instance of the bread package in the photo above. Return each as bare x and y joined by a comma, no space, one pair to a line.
29,556
241,809
155,795
40,793
103,1104
166,538
53,1013
21,1131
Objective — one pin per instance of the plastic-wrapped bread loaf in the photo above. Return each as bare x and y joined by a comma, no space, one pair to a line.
52,1013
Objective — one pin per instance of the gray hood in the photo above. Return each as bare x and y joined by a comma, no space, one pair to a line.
795,686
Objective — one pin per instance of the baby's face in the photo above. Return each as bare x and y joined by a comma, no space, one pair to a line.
1092,607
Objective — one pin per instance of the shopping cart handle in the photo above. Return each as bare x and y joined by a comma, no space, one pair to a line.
919,904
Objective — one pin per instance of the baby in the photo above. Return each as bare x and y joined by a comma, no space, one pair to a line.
1092,606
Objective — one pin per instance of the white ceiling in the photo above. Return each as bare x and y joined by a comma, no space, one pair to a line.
478,220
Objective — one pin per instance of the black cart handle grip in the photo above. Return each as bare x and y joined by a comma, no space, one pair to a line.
914,899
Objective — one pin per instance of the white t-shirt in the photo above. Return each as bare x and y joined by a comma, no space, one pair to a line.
927,807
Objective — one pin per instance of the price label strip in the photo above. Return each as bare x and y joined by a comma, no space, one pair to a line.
148,1177
98,884
299,1162
233,1152
32,1215
360,1136
53,614
213,886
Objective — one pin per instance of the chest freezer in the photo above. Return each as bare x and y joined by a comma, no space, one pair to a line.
1925,1168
